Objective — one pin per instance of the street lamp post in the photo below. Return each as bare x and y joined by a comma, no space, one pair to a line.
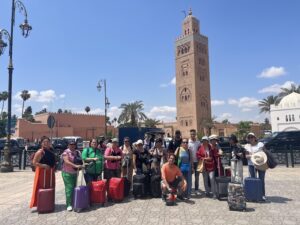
6,165
102,83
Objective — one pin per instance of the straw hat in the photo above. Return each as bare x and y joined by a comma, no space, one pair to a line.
259,160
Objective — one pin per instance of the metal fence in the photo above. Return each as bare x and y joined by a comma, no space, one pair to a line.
286,155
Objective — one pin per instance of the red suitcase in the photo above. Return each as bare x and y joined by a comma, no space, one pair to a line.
46,196
116,189
98,192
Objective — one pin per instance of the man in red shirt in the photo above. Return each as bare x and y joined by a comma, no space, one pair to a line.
172,178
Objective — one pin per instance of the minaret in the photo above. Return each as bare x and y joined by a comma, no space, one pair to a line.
192,77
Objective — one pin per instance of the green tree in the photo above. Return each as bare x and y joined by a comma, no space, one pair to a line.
28,114
208,124
226,121
286,91
243,129
25,95
59,111
132,114
152,123
265,104
87,109
3,98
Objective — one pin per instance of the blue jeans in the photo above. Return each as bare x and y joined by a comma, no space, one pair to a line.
261,176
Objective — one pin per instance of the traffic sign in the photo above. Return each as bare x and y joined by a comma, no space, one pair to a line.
50,121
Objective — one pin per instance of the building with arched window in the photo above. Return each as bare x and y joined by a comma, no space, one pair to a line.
286,115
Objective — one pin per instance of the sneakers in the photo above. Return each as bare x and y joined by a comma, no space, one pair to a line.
69,208
264,198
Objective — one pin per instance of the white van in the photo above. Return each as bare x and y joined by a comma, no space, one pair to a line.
77,139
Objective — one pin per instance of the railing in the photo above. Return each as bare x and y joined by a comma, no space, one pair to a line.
22,159
287,155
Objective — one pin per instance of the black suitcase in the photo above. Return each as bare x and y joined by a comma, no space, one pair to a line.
138,185
222,183
155,186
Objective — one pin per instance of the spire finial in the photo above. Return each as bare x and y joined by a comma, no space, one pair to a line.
190,11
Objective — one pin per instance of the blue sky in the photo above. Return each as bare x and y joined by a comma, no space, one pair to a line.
253,48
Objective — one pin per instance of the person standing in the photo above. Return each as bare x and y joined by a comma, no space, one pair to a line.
185,164
158,156
193,146
94,159
127,163
175,143
252,147
237,154
71,164
44,162
113,157
206,153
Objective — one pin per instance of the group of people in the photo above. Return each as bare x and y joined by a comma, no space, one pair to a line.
176,164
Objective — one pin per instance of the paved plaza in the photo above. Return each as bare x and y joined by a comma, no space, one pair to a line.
282,187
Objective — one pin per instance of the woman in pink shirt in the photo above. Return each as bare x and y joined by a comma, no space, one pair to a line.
113,157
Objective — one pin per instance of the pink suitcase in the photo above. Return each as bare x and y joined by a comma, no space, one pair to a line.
46,197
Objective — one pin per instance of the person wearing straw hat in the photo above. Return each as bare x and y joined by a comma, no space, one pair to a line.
254,154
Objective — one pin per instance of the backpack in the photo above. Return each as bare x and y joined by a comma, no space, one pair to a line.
77,160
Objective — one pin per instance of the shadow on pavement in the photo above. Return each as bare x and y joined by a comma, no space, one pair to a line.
278,199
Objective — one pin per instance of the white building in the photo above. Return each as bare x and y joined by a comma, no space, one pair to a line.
286,115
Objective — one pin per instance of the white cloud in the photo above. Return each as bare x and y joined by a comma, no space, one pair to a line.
172,82
272,72
276,88
246,109
163,113
62,96
224,116
114,112
17,108
217,102
42,96
45,107
244,102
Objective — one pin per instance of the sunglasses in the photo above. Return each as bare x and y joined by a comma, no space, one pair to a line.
184,142
126,141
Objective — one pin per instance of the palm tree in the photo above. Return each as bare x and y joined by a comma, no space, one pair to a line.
132,113
87,109
208,124
3,98
287,91
152,123
265,104
25,95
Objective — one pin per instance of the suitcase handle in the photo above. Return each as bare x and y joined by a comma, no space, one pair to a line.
51,174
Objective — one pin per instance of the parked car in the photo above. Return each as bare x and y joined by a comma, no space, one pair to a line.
283,139
59,144
78,140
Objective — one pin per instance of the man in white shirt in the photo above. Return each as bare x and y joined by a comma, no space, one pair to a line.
194,145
